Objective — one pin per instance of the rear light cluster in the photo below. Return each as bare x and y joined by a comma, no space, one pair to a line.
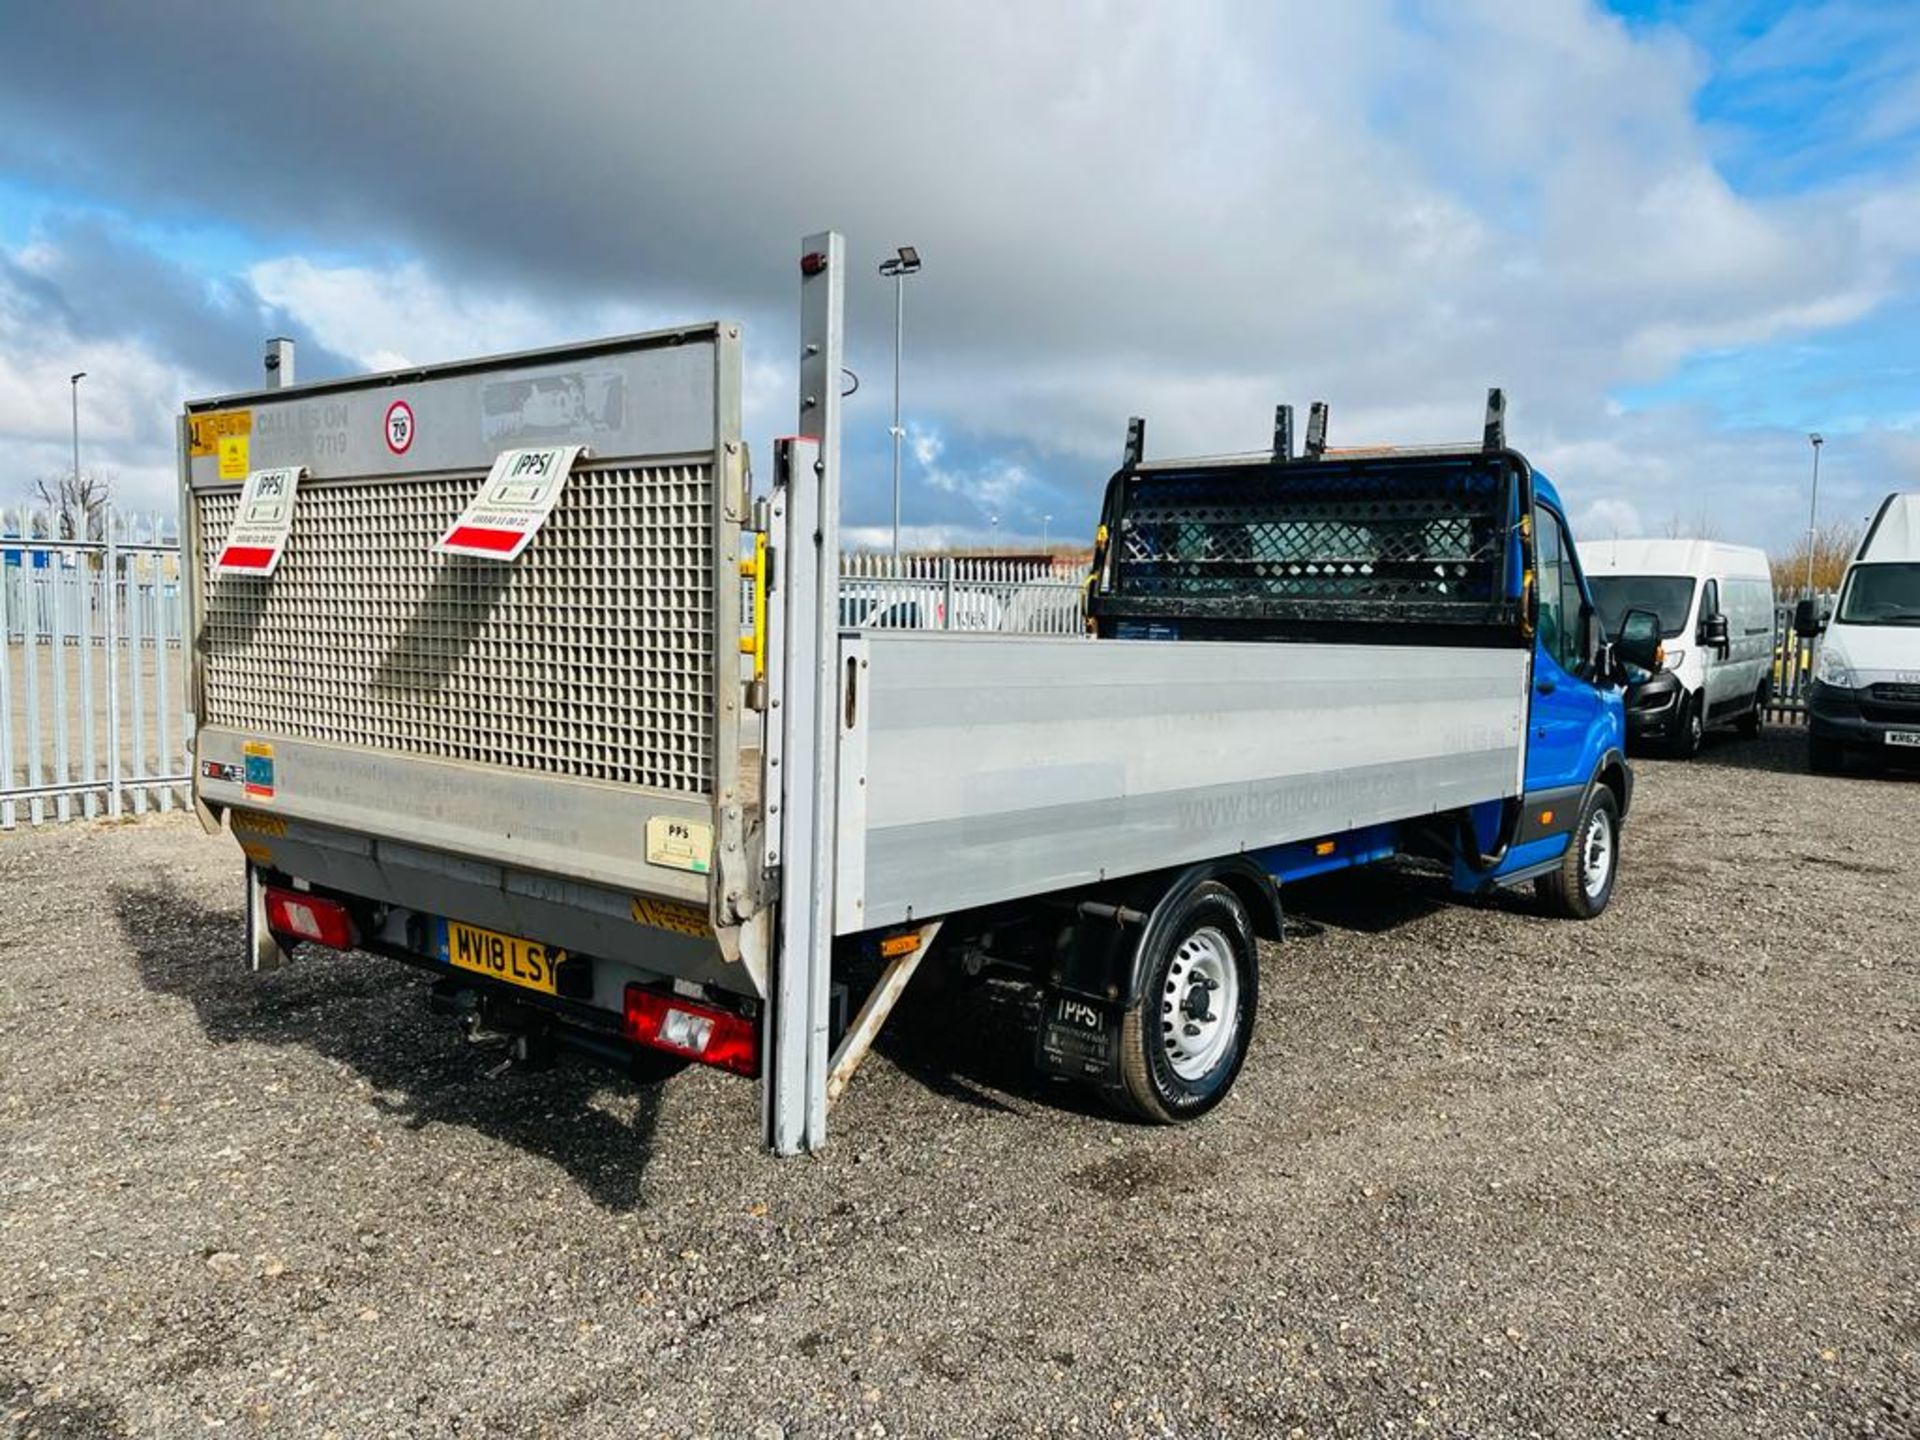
298,916
686,1027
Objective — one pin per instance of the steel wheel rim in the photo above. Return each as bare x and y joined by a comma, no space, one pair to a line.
1199,1004
1597,853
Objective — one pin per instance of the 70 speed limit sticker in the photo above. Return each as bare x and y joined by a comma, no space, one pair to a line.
399,428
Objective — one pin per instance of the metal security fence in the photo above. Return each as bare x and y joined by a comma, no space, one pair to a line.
1792,662
1038,595
92,671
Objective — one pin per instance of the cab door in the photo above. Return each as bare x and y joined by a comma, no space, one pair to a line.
1564,704
1720,676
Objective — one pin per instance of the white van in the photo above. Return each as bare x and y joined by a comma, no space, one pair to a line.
1715,604
1866,674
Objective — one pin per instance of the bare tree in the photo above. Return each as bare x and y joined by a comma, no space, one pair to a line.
1833,546
1702,527
78,503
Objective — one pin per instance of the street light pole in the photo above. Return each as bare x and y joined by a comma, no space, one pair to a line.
1813,509
1046,533
898,267
73,382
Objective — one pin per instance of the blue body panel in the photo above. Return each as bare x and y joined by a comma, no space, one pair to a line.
1304,858
1574,725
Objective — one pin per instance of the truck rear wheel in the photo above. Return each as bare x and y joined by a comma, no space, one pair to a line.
1184,1038
1583,883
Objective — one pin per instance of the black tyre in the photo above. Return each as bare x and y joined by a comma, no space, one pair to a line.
1580,888
1825,757
1749,724
1184,1039
1689,729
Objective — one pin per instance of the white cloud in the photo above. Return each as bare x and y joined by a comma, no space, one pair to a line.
390,317
126,402
993,486
1607,519
1186,212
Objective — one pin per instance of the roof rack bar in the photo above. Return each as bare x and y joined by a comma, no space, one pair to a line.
1283,433
1317,430
1136,443
1495,435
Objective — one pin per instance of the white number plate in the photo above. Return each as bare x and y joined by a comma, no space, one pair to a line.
1904,737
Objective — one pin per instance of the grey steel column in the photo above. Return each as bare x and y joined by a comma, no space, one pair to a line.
796,1068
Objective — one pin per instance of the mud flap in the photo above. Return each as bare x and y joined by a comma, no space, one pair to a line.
1078,1039
263,951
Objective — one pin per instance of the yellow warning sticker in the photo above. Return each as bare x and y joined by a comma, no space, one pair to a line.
666,915
233,457
204,432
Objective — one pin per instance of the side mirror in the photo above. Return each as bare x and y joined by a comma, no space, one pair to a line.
1639,640
1714,632
1807,619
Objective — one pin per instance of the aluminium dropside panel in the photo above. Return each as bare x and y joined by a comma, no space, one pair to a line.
984,768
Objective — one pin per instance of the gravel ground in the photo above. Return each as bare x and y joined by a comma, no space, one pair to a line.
1485,1174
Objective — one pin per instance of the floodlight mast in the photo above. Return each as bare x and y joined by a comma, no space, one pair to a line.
905,262
1813,508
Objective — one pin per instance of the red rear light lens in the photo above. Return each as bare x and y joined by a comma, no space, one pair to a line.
308,917
706,1033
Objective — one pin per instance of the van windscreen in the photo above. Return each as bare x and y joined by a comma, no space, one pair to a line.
1668,596
1882,595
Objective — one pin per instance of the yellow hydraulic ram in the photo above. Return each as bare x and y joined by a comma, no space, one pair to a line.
755,569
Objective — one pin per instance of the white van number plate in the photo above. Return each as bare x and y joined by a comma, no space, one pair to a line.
1904,737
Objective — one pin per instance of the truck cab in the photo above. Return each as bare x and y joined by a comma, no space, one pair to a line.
1464,551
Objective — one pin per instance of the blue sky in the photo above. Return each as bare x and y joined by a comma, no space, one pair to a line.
1805,101
1680,235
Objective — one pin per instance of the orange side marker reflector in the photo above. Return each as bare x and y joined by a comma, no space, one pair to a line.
1546,817
1324,847
892,947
